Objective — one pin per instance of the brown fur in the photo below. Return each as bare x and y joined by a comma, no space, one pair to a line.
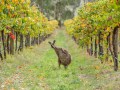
64,57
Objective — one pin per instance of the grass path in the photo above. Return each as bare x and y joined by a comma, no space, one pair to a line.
36,68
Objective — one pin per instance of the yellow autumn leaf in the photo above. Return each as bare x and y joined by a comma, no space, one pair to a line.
2,2
12,89
83,25
108,29
105,36
110,63
97,67
22,1
8,6
15,1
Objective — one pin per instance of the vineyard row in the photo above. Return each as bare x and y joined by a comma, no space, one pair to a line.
22,25
96,27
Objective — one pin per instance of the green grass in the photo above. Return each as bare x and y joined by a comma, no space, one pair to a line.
36,68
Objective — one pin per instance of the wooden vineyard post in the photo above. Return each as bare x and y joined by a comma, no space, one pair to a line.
8,43
115,47
21,43
100,47
1,49
95,52
3,40
12,43
27,40
91,48
16,41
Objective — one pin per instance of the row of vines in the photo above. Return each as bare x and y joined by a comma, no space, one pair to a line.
96,27
22,25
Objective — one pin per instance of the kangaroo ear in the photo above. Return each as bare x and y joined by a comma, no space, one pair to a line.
49,43
54,42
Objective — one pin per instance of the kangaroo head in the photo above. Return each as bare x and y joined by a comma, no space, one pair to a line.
52,43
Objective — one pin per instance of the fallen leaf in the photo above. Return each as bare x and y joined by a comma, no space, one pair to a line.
97,67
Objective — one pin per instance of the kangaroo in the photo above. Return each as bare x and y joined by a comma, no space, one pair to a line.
64,57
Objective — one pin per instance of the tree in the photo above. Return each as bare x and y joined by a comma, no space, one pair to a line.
58,9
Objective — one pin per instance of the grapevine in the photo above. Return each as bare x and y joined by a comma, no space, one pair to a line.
23,24
97,23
